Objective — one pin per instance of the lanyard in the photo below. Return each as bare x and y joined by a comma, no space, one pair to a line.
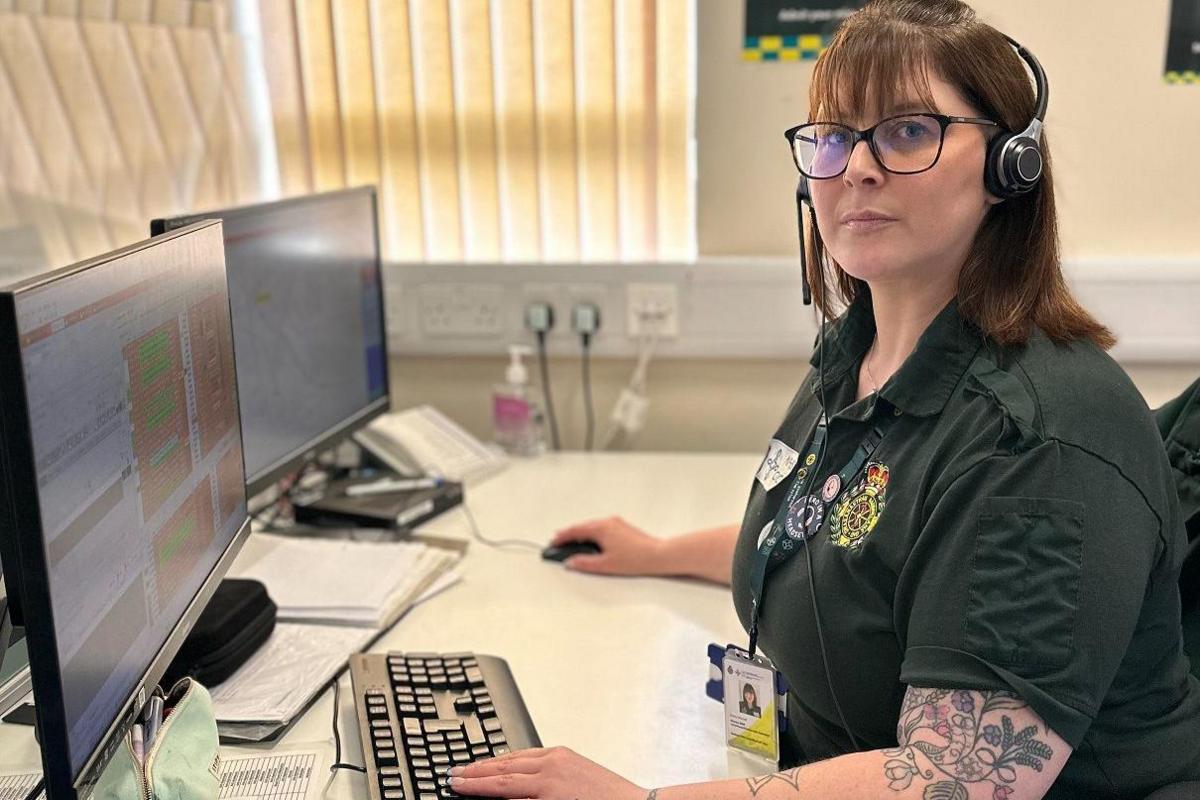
801,513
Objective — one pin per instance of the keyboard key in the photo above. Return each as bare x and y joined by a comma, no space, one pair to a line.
487,710
491,725
474,676
497,738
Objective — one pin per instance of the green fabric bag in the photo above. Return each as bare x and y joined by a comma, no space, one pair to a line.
183,763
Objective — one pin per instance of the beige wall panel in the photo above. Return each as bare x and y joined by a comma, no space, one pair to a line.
97,9
429,21
676,188
356,90
247,163
281,61
595,113
636,122
516,130
114,183
24,179
319,79
400,180
475,117
554,80
150,170
201,66
40,102
167,91
30,6
135,10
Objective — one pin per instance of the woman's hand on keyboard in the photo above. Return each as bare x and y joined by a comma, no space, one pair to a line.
624,549
545,774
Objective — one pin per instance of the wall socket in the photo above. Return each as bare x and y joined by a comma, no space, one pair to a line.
652,308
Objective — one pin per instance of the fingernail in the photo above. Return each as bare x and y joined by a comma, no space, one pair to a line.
456,781
455,771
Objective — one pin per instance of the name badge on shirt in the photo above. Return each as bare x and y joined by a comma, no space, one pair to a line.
751,704
778,463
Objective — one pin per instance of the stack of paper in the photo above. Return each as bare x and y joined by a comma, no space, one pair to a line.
334,582
294,664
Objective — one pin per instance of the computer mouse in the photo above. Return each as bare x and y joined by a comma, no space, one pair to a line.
562,552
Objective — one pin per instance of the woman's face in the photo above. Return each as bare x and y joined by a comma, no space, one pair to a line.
932,216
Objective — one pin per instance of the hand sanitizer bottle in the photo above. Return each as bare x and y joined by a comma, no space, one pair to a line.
515,414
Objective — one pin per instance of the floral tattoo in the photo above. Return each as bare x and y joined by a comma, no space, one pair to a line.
967,739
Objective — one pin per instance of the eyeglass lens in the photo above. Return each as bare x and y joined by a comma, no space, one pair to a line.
904,144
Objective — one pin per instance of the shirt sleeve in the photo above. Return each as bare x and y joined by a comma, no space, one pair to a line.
1029,575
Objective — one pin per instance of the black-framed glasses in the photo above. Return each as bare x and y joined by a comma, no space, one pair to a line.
903,145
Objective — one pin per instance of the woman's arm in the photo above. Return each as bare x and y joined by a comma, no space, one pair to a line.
952,745
626,550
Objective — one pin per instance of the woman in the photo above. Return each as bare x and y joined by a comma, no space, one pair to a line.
749,703
996,584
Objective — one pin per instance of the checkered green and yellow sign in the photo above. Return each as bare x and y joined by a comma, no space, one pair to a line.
784,48
792,30
1183,44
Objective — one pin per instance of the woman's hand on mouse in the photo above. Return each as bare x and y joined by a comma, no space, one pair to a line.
625,550
545,774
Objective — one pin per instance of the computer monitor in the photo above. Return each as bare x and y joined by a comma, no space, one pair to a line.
125,496
307,298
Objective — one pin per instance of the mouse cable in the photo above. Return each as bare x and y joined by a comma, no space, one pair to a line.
497,543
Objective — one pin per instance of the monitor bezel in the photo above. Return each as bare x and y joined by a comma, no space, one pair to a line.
24,552
295,459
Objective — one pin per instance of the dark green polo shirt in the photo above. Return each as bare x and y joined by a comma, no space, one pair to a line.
1017,528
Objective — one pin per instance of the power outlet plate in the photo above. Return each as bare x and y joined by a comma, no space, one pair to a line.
652,308
462,309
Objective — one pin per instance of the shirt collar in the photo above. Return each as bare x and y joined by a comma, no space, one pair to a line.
927,377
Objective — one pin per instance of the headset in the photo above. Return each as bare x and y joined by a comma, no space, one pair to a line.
1013,167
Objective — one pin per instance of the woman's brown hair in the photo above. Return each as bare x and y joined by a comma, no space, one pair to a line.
1012,278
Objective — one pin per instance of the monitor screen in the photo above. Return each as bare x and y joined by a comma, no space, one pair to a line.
305,288
128,440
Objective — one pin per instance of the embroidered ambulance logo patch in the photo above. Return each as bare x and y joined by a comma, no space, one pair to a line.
778,463
856,515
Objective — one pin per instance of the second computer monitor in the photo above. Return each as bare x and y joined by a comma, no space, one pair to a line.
306,292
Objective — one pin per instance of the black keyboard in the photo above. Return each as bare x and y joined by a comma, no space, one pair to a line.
419,714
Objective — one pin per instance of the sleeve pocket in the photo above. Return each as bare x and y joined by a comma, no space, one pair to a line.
1024,581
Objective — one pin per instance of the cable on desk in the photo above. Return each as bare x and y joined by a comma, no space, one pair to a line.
337,735
588,408
495,542
37,788
544,368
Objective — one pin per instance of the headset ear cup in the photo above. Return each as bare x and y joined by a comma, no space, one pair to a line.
993,166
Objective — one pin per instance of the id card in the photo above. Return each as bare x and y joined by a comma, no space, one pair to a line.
751,719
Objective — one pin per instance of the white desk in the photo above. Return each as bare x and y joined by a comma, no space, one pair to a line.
612,668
